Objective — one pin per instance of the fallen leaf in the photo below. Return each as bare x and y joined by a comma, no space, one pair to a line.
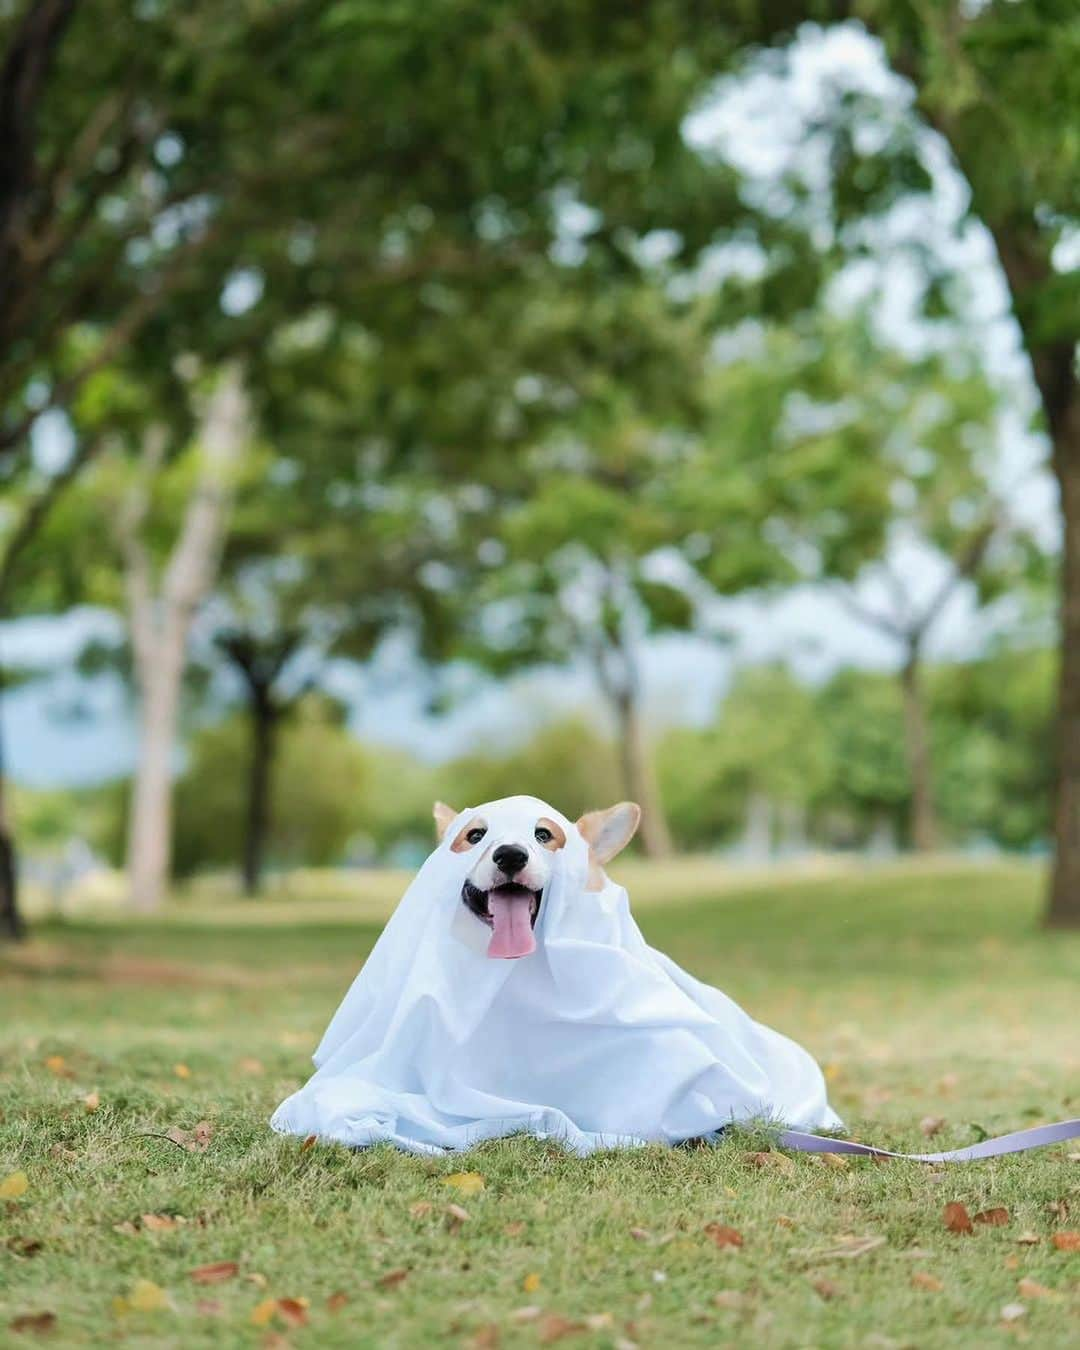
309,1142
514,1229
729,1298
531,1283
127,1228
956,1218
1012,1312
602,1321
258,1280
92,1100
210,1307
993,1218
392,1278
931,1125
146,1296
1012,1261
723,1235
785,1221
203,1134
24,1246
1059,1209
1033,1289
922,1279
780,1161
468,1183
1067,1241
486,1337
527,1314
336,1301
1029,1239
274,1340
57,1064
826,1289
292,1310
554,1327
624,1343
837,1161
14,1185
421,1208
40,1323
252,1066
262,1312
158,1223
181,1071
456,1215
215,1272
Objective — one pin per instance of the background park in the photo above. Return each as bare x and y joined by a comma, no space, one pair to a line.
405,401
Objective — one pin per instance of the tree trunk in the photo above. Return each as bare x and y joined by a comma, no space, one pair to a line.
11,921
1063,910
924,827
149,849
639,776
264,722
161,619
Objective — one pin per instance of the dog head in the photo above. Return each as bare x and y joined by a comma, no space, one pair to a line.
513,844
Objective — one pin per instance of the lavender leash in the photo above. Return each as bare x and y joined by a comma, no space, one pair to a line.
1037,1136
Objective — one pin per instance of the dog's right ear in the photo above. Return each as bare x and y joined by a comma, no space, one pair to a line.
444,817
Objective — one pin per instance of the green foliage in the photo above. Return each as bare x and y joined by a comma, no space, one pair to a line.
321,779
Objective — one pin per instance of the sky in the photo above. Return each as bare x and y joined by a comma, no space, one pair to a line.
62,729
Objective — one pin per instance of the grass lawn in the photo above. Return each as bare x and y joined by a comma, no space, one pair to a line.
926,992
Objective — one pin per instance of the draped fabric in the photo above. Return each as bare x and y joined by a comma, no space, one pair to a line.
596,1039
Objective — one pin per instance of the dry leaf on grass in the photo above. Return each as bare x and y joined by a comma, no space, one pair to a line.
14,1185
215,1272
514,1229
181,1071
602,1321
23,1246
922,1279
92,1100
456,1215
1033,1289
837,1161
309,1142
392,1278
39,1323
785,1221
145,1297
779,1161
1029,1239
931,1125
468,1183
723,1235
58,1065
993,1218
250,1066
209,1307
159,1223
826,1289
956,1218
529,1313
292,1310
639,1234
729,1298
1067,1241
531,1283
274,1340
1012,1312
336,1301
553,1328
262,1312
485,1338
420,1208
196,1140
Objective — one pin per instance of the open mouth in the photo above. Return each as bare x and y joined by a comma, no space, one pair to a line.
510,912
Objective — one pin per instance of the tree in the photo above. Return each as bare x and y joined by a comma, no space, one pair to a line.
878,471
995,80
160,613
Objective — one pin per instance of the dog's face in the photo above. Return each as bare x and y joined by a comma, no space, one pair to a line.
512,849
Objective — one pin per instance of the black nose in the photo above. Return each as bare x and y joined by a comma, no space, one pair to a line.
511,858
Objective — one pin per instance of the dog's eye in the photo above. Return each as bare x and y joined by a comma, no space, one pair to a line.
543,834
474,836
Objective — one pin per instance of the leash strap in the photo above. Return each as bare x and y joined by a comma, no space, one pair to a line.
1037,1136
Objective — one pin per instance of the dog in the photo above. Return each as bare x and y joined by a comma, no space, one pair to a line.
504,888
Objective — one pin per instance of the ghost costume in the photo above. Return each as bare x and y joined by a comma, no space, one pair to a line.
595,1039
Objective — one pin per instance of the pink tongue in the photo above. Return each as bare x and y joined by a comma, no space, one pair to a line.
511,914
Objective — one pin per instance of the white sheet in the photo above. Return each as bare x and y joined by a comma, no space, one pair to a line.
596,1040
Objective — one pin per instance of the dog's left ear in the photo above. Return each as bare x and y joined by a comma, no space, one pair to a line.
444,818
608,832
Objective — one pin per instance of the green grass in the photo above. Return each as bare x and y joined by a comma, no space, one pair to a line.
925,991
